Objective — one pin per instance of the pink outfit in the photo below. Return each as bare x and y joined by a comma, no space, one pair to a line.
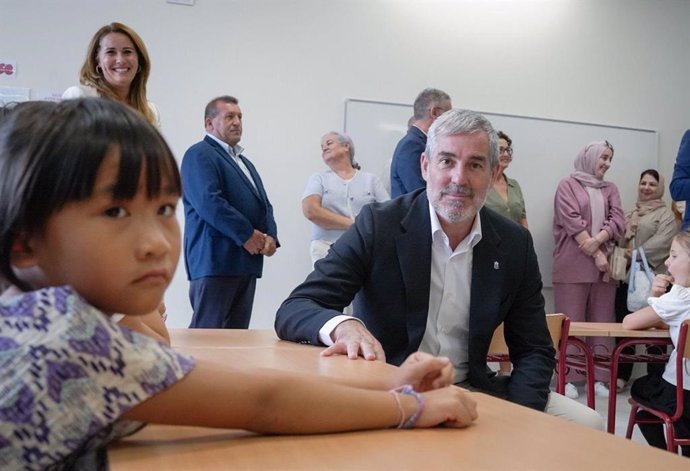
571,215
579,289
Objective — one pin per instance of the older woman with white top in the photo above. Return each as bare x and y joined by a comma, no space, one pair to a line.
332,199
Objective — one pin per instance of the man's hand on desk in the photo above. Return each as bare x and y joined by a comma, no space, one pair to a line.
424,372
351,338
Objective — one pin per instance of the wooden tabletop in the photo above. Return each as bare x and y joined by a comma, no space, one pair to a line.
505,436
612,329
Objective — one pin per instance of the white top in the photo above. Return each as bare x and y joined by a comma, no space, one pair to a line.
345,197
448,321
673,308
85,91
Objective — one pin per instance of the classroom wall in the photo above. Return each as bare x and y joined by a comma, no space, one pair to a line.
293,63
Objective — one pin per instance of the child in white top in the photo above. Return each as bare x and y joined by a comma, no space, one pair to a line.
666,310
88,192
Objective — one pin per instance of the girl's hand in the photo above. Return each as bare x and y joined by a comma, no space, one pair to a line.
450,406
424,372
660,285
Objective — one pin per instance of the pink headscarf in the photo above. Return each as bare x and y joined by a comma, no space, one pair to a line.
586,164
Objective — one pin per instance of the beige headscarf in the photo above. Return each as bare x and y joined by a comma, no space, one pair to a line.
644,207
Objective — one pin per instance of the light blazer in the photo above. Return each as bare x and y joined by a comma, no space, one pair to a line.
222,209
385,257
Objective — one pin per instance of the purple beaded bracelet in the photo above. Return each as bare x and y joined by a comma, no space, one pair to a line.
408,390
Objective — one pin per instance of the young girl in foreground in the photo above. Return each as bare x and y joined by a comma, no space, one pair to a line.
669,309
88,191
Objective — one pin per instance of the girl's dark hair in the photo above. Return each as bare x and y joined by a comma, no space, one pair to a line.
50,154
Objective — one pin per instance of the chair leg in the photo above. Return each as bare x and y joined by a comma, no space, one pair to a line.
631,421
670,437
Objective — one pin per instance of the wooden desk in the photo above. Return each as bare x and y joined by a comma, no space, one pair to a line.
612,329
589,360
505,436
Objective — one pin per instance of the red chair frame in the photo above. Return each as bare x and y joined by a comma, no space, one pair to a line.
660,417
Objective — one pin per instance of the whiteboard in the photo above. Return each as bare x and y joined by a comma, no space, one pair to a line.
544,152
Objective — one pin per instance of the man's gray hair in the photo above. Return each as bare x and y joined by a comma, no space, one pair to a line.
426,99
462,122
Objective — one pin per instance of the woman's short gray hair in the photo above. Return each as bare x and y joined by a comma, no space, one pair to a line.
344,139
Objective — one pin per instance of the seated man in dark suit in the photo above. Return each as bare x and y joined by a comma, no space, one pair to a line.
432,272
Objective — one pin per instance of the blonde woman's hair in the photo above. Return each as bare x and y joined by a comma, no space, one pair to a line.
137,92
683,238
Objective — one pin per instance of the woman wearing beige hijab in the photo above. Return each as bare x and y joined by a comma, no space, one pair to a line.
651,225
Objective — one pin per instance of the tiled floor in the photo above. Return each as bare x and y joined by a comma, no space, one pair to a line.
622,412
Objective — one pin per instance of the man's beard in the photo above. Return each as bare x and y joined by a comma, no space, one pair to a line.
457,211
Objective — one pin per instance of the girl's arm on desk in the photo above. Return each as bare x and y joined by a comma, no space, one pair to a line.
271,401
423,371
645,318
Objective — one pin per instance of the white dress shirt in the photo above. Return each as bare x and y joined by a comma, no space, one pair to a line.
235,152
447,326
448,321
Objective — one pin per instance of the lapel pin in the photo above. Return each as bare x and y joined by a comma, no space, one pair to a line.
495,265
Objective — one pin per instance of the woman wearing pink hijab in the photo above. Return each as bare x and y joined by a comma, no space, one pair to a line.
588,219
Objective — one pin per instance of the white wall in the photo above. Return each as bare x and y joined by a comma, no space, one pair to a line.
292,64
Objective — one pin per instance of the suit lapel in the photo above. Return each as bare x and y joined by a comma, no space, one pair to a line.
256,188
413,246
240,174
486,294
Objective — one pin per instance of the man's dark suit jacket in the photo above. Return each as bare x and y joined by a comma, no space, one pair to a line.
222,209
406,171
385,258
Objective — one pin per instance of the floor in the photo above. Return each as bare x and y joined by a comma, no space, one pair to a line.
622,412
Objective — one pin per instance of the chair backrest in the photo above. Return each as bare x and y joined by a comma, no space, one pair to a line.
686,353
682,354
558,325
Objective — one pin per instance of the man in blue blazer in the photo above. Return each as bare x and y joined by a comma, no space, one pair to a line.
229,224
406,173
427,274
680,183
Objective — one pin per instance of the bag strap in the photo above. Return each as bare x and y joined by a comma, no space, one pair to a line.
647,270
634,264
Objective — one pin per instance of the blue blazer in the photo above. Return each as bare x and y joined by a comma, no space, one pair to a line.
406,171
680,183
385,260
222,209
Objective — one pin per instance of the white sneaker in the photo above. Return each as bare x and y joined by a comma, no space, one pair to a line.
621,384
571,391
600,389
